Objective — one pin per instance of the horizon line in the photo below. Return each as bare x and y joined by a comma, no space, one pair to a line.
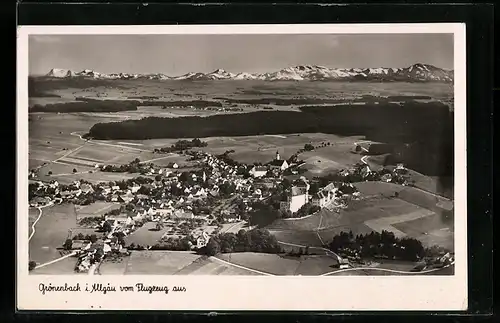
292,66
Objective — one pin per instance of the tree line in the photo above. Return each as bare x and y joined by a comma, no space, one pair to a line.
181,145
379,245
255,240
423,132
87,105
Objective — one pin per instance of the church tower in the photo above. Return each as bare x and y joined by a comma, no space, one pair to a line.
278,156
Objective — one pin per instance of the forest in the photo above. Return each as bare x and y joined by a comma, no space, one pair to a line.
421,133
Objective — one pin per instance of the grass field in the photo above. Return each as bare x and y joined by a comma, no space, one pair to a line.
147,235
96,209
169,263
32,216
279,265
414,213
51,231
63,267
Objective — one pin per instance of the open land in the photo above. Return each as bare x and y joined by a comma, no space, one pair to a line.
51,231
59,152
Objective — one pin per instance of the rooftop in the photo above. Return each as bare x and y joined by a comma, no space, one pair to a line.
298,191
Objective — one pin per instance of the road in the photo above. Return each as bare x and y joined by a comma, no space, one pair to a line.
235,227
388,270
106,144
56,260
327,251
241,267
40,213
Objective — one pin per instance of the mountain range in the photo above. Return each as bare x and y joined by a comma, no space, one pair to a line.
415,73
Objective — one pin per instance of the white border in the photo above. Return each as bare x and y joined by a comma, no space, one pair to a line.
339,293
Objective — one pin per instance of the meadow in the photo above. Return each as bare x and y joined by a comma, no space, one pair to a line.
414,213
50,232
56,146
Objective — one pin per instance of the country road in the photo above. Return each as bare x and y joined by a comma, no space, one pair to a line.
241,267
38,218
106,144
388,270
327,251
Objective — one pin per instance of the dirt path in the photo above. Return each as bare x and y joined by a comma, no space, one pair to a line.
365,269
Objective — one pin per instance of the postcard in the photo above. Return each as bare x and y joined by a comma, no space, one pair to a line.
242,167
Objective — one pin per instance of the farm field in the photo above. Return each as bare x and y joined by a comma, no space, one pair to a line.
413,213
63,267
147,235
169,263
306,238
279,265
96,209
51,231
32,216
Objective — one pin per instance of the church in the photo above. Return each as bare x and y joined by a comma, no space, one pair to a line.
278,163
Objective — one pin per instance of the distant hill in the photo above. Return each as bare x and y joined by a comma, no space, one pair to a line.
415,73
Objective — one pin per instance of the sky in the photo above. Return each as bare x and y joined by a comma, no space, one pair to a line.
179,54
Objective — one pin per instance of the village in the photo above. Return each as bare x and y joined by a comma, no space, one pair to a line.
193,203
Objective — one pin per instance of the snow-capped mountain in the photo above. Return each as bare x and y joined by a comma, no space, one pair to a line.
60,73
415,73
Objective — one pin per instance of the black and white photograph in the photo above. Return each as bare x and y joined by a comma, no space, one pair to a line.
216,154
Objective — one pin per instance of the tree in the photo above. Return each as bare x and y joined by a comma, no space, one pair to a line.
31,265
106,227
158,178
74,170
358,148
212,247
50,172
308,147
68,244
93,238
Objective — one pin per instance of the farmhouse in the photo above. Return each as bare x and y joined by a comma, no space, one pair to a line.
202,240
325,196
173,165
296,198
258,171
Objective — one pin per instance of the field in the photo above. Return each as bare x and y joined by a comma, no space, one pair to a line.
413,213
56,146
51,231
169,263
279,265
96,209
32,216
147,235
63,267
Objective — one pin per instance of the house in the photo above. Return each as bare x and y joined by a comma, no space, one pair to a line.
296,198
386,178
365,171
258,171
278,163
344,263
86,188
80,245
121,219
325,196
202,240
117,198
173,165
